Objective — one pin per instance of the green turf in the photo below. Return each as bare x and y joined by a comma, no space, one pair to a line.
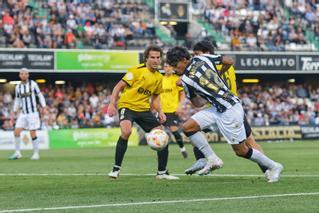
23,192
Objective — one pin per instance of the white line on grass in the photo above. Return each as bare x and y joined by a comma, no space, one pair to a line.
160,202
138,175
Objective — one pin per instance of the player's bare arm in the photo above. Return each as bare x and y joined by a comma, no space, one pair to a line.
198,101
181,100
227,62
179,82
156,104
114,97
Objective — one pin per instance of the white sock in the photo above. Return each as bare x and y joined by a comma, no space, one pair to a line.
199,140
262,159
17,143
35,144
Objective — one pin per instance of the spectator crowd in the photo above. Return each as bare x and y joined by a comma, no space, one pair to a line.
253,25
86,106
75,24
264,25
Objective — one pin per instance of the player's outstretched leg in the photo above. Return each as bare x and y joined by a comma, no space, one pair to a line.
274,169
199,164
213,161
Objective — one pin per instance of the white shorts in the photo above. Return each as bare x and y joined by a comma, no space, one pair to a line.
29,121
230,123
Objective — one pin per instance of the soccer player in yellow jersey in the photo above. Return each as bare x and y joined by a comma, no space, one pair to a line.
172,99
229,77
140,88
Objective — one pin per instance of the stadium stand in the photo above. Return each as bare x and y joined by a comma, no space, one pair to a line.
259,25
262,25
86,106
76,24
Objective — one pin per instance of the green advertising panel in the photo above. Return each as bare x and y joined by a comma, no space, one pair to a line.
96,60
81,138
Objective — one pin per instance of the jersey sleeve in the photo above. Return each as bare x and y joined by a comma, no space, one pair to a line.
189,90
179,88
216,59
130,77
232,79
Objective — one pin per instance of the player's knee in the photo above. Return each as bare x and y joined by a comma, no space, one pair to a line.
240,153
17,133
186,127
173,128
241,150
126,133
190,126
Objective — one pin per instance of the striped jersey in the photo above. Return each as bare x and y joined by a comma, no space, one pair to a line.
27,96
202,78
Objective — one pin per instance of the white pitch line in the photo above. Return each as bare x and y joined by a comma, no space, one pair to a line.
159,202
139,175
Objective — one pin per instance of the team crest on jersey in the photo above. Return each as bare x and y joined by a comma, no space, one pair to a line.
129,76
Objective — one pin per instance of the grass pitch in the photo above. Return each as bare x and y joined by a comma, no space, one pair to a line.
74,180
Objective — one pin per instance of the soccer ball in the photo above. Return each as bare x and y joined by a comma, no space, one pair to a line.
157,139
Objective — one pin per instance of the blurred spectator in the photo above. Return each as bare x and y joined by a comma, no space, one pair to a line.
263,24
76,24
86,106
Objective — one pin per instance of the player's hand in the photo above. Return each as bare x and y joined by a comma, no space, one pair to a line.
111,110
180,111
162,117
43,110
14,115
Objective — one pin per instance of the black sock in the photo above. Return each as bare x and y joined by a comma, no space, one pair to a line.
162,157
179,139
121,147
248,156
198,154
249,153
263,168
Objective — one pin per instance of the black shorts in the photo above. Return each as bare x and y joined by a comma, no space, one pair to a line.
247,127
171,119
146,120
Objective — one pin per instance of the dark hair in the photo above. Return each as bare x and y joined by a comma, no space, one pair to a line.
152,48
204,46
176,54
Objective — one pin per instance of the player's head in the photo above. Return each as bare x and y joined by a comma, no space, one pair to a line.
24,74
168,68
178,57
203,47
153,57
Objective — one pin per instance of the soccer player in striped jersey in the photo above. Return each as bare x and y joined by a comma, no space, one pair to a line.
202,83
27,93
229,77
172,98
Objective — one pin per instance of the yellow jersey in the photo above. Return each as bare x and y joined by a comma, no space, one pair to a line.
230,78
142,84
170,94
